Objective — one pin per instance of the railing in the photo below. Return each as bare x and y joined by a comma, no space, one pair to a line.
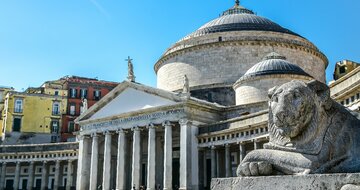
18,110
55,112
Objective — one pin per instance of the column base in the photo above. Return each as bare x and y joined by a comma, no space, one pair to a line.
184,188
167,189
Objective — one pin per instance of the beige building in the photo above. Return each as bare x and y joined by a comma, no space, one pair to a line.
208,111
346,87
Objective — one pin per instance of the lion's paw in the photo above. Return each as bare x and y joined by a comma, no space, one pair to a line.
254,169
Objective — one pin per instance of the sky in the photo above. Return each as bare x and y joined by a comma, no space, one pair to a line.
43,40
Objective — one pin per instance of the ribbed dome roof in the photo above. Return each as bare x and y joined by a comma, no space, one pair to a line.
239,18
273,64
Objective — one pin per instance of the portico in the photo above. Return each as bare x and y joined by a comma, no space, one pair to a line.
154,145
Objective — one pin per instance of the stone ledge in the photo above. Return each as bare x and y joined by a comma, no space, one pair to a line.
307,182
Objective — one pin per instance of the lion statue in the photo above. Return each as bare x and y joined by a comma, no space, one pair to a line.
309,133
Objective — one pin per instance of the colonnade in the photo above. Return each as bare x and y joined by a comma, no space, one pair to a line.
89,144
31,173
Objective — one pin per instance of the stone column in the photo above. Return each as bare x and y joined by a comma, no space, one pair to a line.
107,161
195,182
168,156
69,178
151,157
94,161
57,175
44,176
3,173
83,177
227,161
17,176
30,184
185,154
120,170
213,162
242,151
135,180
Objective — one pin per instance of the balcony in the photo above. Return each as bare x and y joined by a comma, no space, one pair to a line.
18,110
56,112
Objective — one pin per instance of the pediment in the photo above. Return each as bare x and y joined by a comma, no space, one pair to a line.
129,97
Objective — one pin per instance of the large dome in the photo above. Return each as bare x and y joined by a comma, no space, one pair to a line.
239,18
220,52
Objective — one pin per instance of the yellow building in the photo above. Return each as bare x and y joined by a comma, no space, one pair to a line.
35,111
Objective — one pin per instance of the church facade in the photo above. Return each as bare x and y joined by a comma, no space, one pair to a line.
208,110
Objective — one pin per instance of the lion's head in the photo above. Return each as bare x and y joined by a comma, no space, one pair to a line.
294,110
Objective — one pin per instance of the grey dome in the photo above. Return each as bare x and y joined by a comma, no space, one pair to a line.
239,18
273,64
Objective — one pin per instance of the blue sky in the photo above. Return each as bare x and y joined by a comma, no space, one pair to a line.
46,39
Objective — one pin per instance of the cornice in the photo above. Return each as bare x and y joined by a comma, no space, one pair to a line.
274,42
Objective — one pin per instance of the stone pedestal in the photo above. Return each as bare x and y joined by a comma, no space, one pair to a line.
320,181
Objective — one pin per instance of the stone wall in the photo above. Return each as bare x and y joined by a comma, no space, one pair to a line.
306,182
209,62
251,91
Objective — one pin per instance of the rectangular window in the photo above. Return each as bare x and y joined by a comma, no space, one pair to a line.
97,95
73,93
71,127
55,126
342,102
72,109
342,69
56,93
18,106
56,108
358,96
352,98
83,93
347,101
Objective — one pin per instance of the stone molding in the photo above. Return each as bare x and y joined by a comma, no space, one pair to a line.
274,42
129,122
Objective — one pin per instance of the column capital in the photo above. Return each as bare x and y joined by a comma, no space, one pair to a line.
71,161
4,163
151,126
121,130
227,145
31,162
94,135
82,137
166,124
137,128
184,121
213,147
107,132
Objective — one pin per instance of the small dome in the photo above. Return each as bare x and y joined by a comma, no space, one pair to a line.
273,63
239,18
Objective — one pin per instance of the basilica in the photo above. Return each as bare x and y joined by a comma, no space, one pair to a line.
208,111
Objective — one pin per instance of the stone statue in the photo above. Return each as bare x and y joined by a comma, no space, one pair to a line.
309,134
131,76
84,105
186,87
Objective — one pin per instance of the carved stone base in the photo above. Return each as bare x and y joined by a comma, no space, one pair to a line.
320,181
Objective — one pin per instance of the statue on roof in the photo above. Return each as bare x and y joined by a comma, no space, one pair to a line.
131,76
186,86
237,2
